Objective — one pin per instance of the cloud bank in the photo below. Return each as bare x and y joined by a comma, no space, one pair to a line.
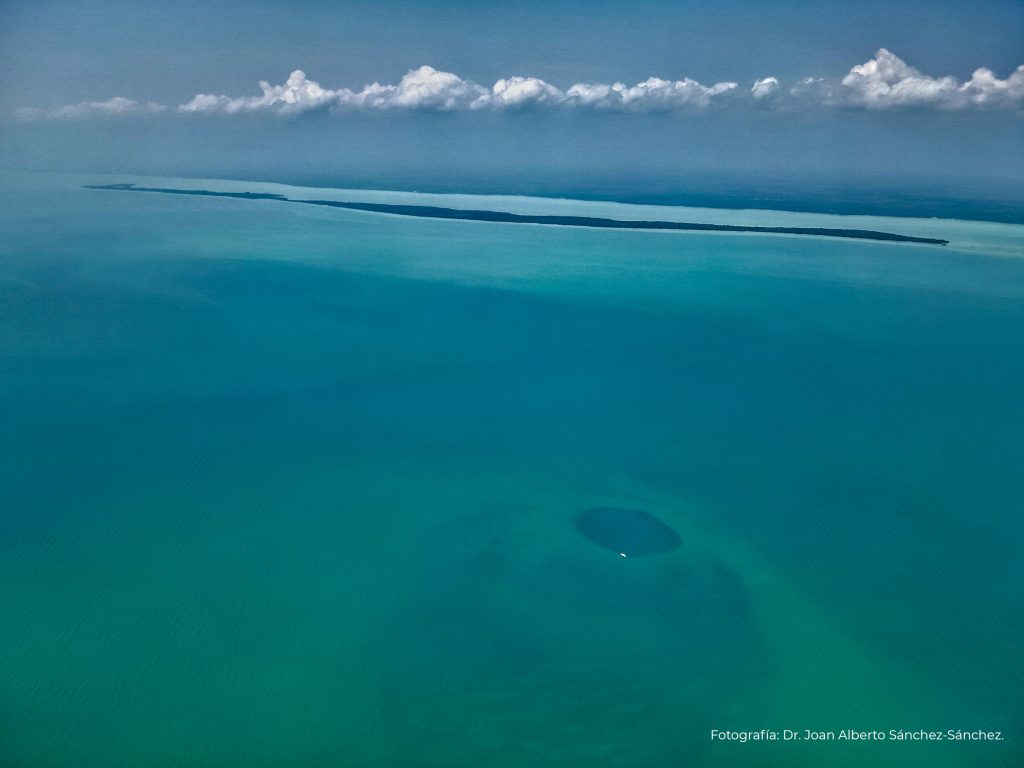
429,89
884,82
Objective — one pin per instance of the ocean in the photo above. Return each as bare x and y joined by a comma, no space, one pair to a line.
291,485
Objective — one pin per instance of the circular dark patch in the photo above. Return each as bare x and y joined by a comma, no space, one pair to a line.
629,532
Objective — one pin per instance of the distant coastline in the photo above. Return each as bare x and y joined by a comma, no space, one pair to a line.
992,201
502,217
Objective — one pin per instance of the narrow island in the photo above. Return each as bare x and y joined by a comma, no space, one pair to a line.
502,217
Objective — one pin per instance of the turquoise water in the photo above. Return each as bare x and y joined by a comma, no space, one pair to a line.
288,487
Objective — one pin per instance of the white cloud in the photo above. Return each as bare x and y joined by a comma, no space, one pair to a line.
888,82
652,95
595,94
985,89
764,87
375,96
883,82
657,94
423,88
427,88
298,94
517,91
118,105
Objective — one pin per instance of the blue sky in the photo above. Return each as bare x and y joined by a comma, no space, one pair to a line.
79,76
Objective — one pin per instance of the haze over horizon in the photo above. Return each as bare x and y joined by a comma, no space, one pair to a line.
530,97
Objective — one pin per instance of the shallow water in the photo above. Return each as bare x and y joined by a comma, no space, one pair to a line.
300,487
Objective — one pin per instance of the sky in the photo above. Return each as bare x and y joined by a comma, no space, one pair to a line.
546,95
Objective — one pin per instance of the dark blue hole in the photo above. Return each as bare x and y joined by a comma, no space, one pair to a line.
630,532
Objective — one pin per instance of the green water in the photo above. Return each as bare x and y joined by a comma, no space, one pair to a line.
287,487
